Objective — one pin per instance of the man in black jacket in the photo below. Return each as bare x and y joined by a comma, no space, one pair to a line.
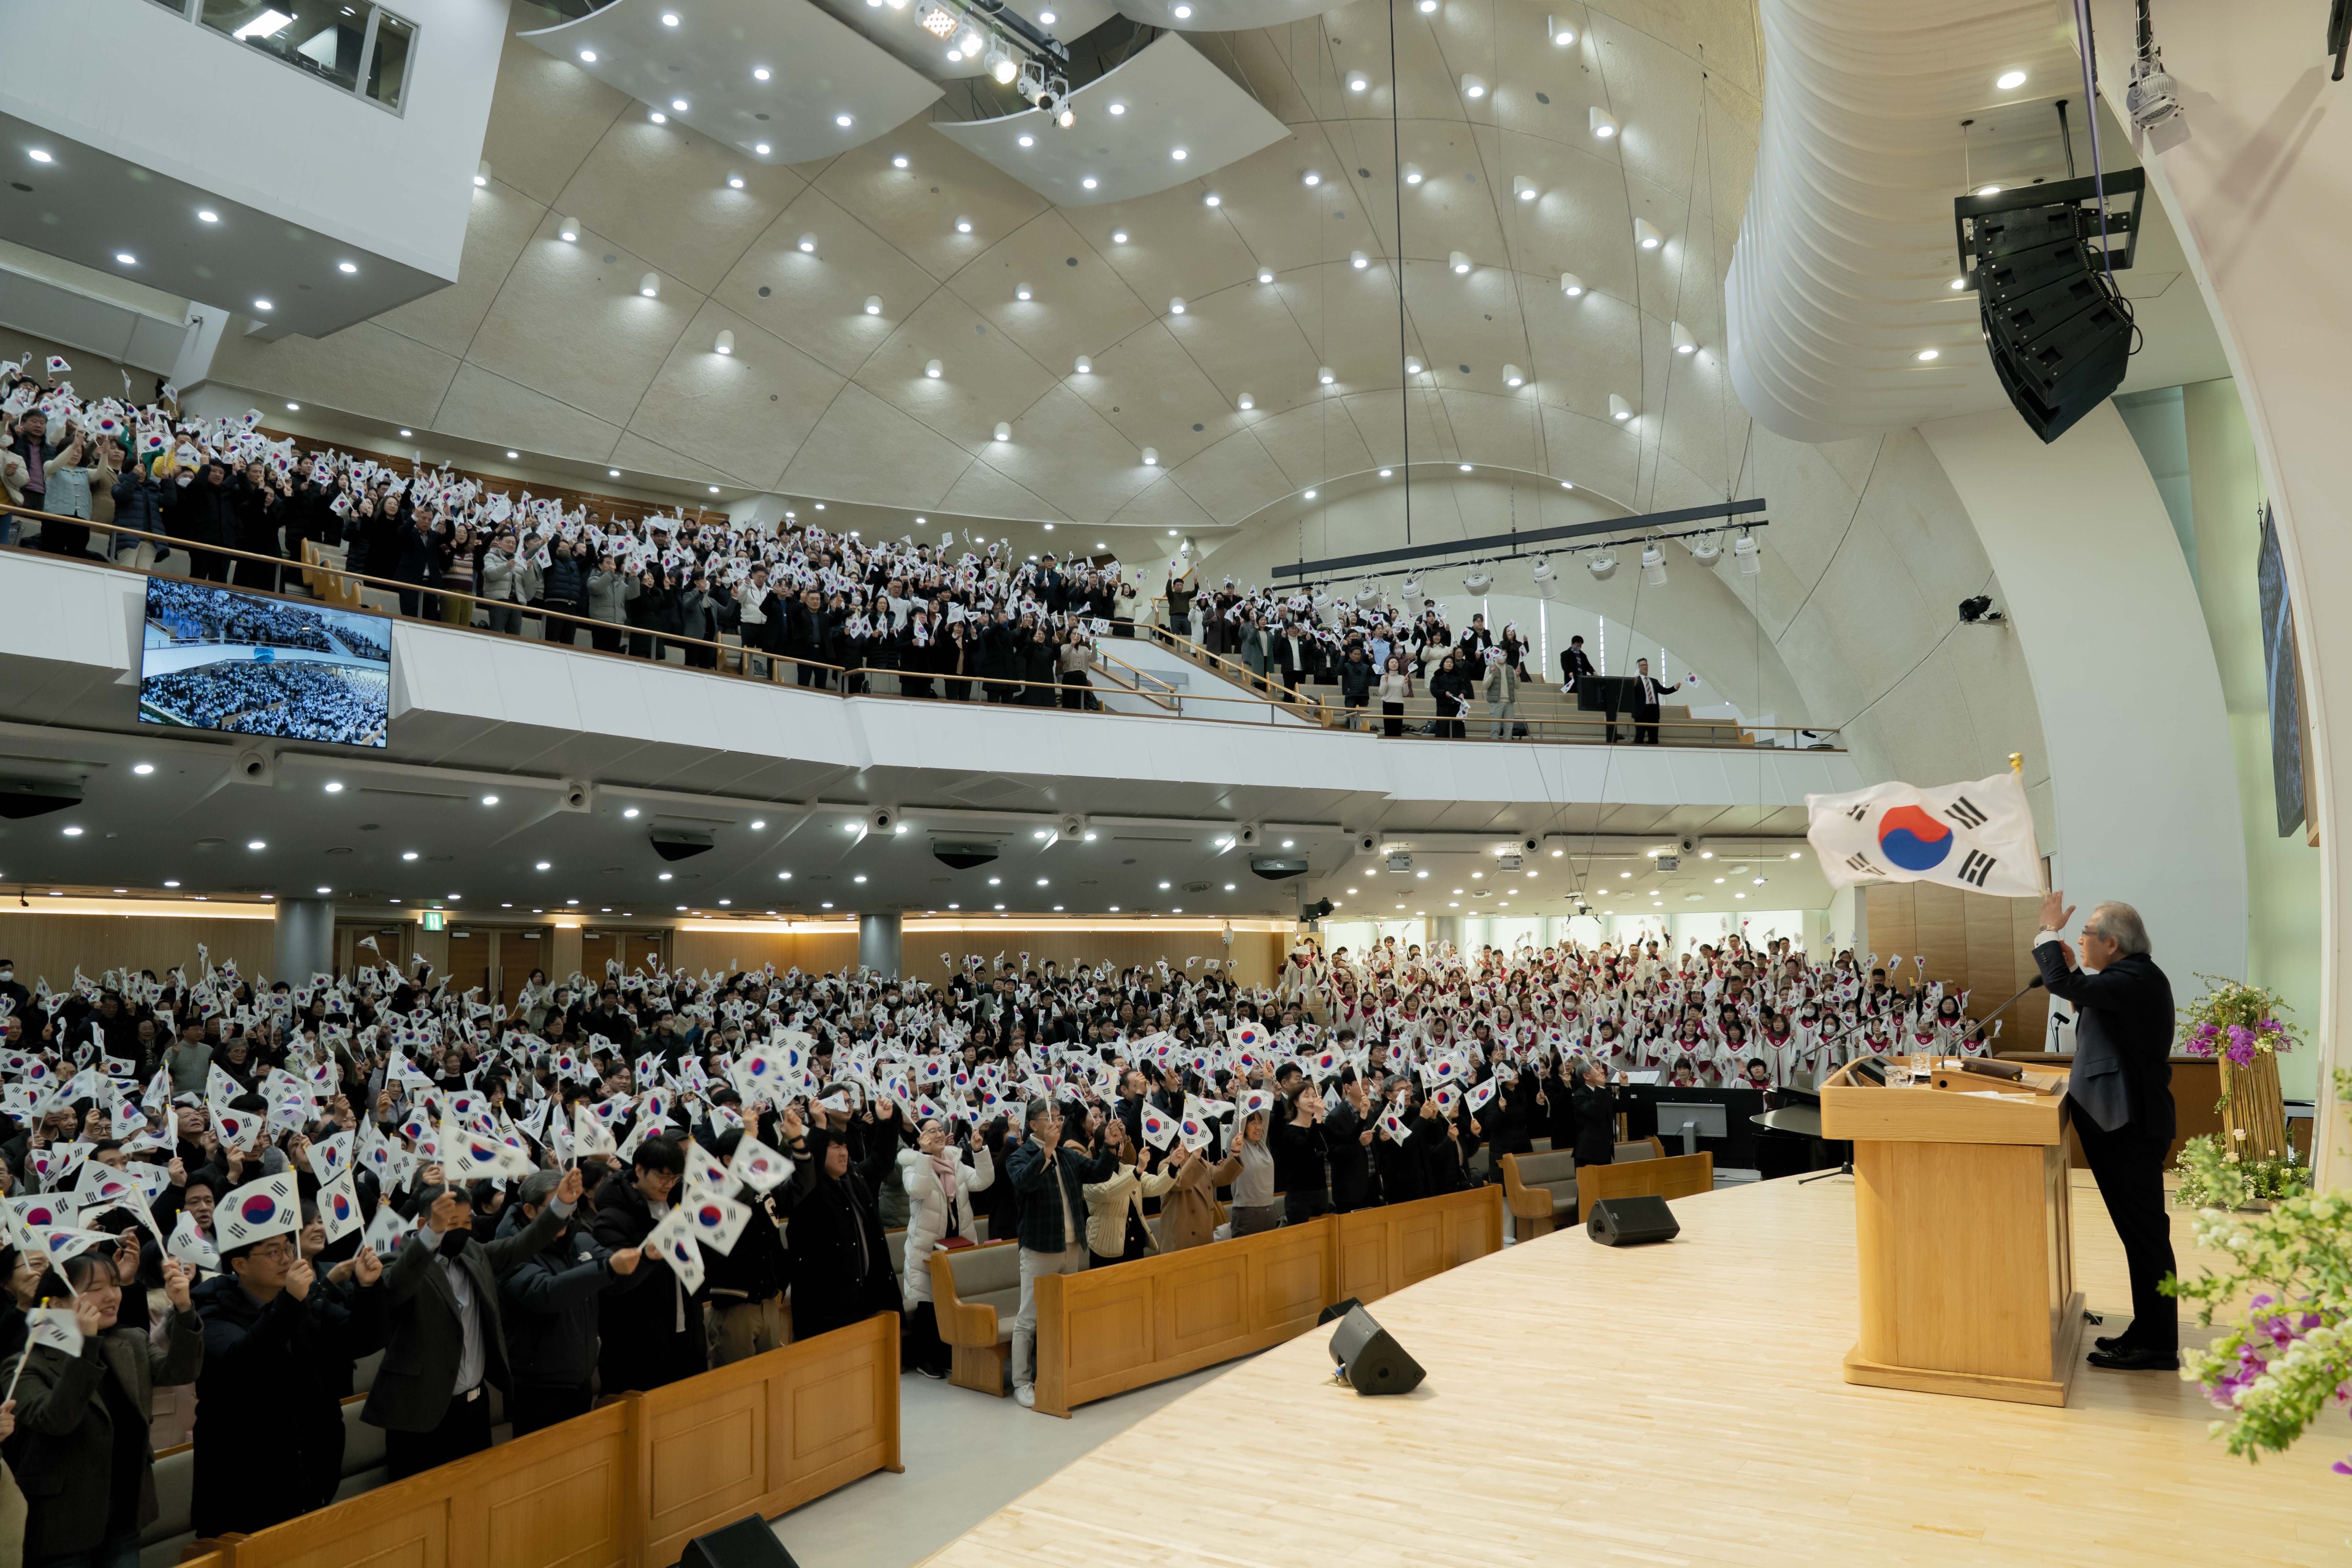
1645,692
1051,1176
278,1346
552,1302
808,636
444,1340
746,1285
2120,1096
1575,664
651,1324
840,1263
200,512
1348,1133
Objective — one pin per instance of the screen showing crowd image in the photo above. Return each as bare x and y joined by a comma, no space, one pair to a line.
213,659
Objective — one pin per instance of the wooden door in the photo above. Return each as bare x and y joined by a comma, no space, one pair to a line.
520,952
394,940
472,951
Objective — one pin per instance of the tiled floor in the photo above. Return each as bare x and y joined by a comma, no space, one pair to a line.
966,1456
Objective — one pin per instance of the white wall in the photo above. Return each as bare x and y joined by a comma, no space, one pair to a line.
2144,784
129,77
2255,177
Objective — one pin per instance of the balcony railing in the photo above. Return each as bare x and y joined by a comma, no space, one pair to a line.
1116,687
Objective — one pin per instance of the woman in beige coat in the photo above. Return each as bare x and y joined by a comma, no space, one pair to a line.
1188,1218
1116,1230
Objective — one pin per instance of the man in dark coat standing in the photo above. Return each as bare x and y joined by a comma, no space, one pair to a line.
445,1338
1644,692
280,1340
2120,1096
840,1264
651,1323
550,1302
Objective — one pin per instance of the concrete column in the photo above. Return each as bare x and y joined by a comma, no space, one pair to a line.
878,944
563,954
304,944
1444,929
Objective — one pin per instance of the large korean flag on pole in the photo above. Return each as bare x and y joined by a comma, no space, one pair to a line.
1976,836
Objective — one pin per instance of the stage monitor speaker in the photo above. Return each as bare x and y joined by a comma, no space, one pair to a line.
1629,1222
1373,1361
2059,334
746,1544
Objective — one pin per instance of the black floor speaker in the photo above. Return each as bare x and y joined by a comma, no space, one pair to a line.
1374,1362
1337,1311
1629,1222
746,1544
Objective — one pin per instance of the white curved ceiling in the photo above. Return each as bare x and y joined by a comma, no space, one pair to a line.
1843,274
549,346
1221,16
828,88
1164,118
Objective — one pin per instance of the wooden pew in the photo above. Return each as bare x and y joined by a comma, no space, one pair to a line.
1110,1330
975,1295
1541,1188
1675,1177
631,1482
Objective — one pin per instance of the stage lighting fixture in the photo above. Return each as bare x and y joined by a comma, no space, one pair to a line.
726,343
1684,342
1707,549
1604,124
1603,565
1571,284
1476,582
1546,582
1459,261
1647,235
1618,409
1745,551
1512,376
1562,34
1654,567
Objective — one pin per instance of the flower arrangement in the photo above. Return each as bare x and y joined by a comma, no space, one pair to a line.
2276,1371
2214,1176
2237,1022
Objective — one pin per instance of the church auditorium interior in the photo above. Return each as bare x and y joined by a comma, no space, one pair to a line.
870,782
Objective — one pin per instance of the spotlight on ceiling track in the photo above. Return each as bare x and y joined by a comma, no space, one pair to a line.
1562,35
1604,124
1684,342
1654,567
1603,565
1618,409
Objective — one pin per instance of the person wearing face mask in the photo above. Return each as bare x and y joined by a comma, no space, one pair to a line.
651,1323
444,1337
939,1186
18,997
79,1446
198,511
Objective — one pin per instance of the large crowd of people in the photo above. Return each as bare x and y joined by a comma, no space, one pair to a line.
249,1184
291,699
918,617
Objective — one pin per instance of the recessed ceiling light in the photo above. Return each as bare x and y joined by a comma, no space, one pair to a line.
631,811
39,156
73,832
664,876
1118,237
899,161
612,473
1119,109
1987,190
658,118
408,854
1311,178
126,259
1309,495
256,844
206,214
490,800
514,454
759,73
293,408
1960,282
1028,140
1386,472
142,768
2007,81
1183,13
405,433
588,57
756,823
678,105
1927,354
842,120
1088,183
347,267
669,18
1178,153
170,884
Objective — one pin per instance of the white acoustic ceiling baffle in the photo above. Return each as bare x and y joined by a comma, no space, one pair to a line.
840,89
1845,264
1174,98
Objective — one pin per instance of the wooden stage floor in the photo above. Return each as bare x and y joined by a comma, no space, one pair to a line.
1674,1404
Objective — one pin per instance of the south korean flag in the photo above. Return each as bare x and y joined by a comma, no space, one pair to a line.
1978,836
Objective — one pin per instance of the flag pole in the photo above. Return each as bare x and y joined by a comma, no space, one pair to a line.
2040,863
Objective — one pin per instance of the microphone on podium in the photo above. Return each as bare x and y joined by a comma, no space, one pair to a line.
2033,984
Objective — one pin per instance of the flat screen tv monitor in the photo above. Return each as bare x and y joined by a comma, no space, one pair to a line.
213,659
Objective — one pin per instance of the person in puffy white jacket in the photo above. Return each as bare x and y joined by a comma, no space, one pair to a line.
940,1181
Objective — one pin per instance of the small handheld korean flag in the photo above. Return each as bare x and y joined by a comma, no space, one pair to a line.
705,1175
1160,1128
339,1207
758,1167
259,1210
674,1243
717,1220
590,1136
1978,836
191,1245
387,1231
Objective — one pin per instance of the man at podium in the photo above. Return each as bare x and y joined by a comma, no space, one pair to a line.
2121,1093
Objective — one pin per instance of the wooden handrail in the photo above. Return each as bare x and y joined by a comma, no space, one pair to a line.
734,660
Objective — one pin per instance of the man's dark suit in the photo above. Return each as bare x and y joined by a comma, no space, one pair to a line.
1575,664
425,1338
1644,692
2121,1097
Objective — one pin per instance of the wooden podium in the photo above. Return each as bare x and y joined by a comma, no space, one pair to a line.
1963,1232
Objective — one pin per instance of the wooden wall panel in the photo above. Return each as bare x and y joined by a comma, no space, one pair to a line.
47,946
628,1485
1971,940
1255,955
